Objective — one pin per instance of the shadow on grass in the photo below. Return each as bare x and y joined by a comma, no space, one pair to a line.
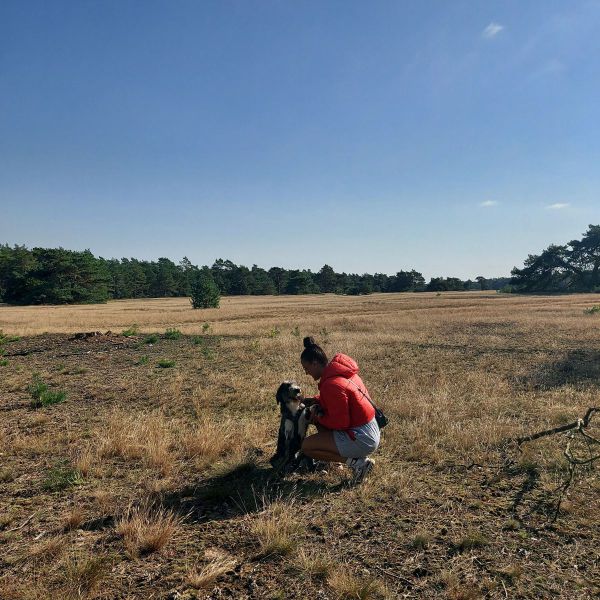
242,489
577,367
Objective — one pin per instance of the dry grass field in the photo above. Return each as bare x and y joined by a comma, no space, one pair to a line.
149,476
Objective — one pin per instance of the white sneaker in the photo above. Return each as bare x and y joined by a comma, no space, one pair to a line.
361,467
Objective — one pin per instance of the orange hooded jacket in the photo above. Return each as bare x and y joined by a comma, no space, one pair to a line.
340,396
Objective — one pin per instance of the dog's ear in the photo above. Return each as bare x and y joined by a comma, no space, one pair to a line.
279,394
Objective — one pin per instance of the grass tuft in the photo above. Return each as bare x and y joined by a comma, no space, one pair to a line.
73,519
165,363
83,574
421,541
471,541
172,334
145,530
218,564
131,331
60,478
276,530
347,586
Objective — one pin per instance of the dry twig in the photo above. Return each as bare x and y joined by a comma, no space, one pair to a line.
572,429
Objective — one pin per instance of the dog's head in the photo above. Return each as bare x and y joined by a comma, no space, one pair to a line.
287,396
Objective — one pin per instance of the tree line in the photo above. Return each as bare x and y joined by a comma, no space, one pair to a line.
60,276
573,267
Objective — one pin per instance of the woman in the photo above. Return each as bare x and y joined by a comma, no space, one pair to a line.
342,412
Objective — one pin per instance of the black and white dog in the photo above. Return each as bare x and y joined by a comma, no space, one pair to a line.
293,426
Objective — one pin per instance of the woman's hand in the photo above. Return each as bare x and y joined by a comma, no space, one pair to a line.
315,411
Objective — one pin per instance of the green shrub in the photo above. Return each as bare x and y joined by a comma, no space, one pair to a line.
198,340
42,395
204,291
296,331
205,327
6,339
133,330
165,364
275,331
172,334
4,363
144,360
151,339
592,310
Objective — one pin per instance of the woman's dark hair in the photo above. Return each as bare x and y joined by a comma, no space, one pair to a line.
313,352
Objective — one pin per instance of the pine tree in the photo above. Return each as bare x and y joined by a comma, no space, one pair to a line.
204,290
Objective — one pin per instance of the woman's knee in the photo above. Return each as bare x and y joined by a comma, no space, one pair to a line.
308,444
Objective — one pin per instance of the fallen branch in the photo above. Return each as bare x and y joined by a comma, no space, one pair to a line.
572,429
22,524
579,424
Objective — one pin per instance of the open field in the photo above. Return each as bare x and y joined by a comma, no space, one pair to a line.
154,482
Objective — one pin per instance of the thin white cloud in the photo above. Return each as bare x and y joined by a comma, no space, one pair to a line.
487,203
492,30
557,206
551,67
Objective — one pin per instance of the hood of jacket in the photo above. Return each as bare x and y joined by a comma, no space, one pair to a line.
340,365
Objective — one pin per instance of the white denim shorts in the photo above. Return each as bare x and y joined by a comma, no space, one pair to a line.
366,440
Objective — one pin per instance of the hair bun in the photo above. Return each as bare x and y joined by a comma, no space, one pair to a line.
309,342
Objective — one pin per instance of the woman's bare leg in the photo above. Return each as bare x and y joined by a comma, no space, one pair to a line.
321,446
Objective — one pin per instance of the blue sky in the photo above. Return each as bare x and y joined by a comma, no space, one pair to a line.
450,137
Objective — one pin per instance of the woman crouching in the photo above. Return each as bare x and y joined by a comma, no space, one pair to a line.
347,431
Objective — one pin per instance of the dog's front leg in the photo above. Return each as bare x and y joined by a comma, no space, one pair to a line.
303,423
281,444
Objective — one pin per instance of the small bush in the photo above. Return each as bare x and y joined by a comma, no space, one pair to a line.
204,291
205,327
151,339
296,331
165,363
133,330
4,363
592,310
275,331
172,334
42,395
144,360
198,340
